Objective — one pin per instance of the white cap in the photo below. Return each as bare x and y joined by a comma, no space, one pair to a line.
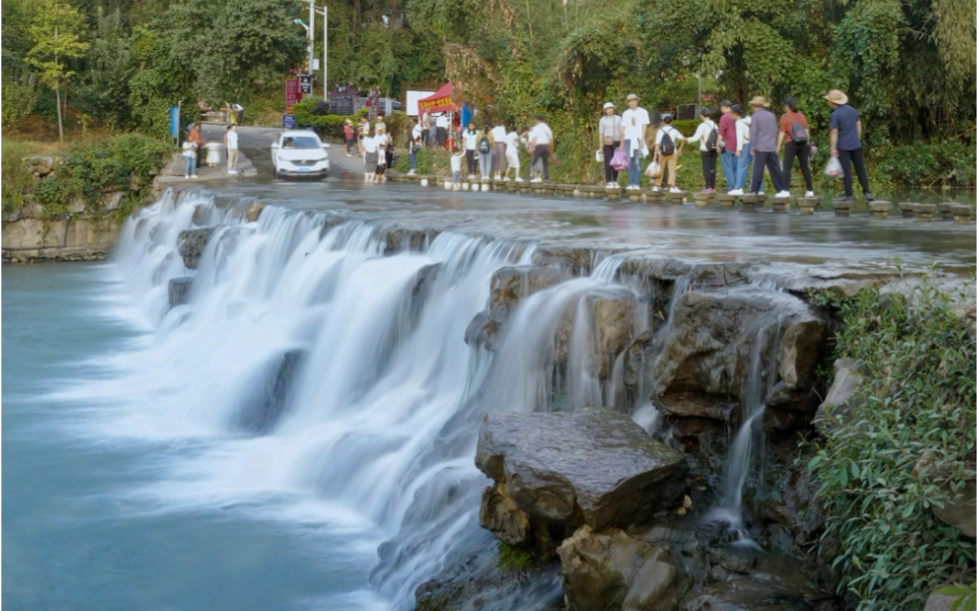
609,105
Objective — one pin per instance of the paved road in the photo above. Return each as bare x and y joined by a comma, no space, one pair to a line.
255,142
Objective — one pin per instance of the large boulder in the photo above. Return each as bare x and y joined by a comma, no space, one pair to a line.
745,594
605,571
192,243
40,166
842,397
592,466
706,350
499,514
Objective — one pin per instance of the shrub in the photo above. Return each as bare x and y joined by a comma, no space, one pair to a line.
19,99
907,448
17,180
429,161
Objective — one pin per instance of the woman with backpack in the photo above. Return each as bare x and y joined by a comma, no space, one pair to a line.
794,138
485,145
609,132
707,135
470,138
668,146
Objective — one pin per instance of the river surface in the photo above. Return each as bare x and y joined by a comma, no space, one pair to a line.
129,482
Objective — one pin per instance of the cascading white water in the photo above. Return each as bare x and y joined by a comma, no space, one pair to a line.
378,436
749,438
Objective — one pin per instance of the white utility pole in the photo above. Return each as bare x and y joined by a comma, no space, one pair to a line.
325,49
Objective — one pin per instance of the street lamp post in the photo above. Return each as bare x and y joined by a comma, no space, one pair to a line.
309,31
325,49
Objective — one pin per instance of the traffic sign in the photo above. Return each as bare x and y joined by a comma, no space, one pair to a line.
288,122
305,84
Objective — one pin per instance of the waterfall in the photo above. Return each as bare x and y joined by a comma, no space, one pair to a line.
375,438
748,442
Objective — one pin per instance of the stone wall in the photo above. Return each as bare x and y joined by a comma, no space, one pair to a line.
74,238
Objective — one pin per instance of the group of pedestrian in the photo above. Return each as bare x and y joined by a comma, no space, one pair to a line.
376,146
193,143
739,141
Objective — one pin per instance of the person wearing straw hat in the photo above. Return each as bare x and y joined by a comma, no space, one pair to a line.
763,149
609,132
634,128
846,142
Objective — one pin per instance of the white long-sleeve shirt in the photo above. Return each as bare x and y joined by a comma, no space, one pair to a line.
742,133
701,134
455,163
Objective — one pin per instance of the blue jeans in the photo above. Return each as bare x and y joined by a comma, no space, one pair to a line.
634,164
727,161
413,162
188,163
743,168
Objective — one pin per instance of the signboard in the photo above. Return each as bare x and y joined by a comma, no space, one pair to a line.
305,84
343,103
412,98
288,122
292,94
175,122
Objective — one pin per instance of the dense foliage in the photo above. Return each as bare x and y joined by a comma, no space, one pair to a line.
87,171
909,446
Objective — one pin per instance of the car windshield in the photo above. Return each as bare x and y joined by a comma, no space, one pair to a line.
301,142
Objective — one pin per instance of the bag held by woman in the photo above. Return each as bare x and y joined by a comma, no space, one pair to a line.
619,161
654,170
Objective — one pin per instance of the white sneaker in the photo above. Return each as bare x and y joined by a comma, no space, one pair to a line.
186,176
656,189
736,192
232,172
506,179
809,194
782,194
193,176
518,179
675,190
536,180
412,172
759,192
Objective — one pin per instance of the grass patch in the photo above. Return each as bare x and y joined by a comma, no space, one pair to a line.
908,447
514,558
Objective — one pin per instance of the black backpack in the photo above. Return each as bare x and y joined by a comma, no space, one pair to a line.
712,141
666,147
484,146
797,133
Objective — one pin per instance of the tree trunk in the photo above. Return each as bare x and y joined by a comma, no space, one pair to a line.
57,98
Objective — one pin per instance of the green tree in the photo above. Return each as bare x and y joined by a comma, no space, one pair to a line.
54,33
102,91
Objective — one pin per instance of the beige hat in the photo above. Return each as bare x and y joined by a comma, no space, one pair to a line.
609,105
836,96
759,100
631,96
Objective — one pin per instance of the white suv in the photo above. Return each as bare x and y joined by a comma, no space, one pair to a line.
300,153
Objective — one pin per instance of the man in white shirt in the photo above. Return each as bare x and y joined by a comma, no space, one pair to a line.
540,142
498,155
441,123
634,128
230,141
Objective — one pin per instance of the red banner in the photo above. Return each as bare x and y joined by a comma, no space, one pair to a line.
292,94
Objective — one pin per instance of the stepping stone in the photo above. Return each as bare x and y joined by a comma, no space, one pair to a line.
807,204
961,213
908,210
924,212
879,209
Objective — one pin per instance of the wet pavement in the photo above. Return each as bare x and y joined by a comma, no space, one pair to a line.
711,234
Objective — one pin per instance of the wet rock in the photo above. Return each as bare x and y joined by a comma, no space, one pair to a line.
961,514
498,513
744,594
609,570
273,396
734,558
706,350
842,396
179,291
509,286
789,499
613,327
592,466
842,280
400,240
578,260
191,243
254,211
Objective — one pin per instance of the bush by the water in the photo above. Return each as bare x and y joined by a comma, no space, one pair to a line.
87,171
313,112
908,447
